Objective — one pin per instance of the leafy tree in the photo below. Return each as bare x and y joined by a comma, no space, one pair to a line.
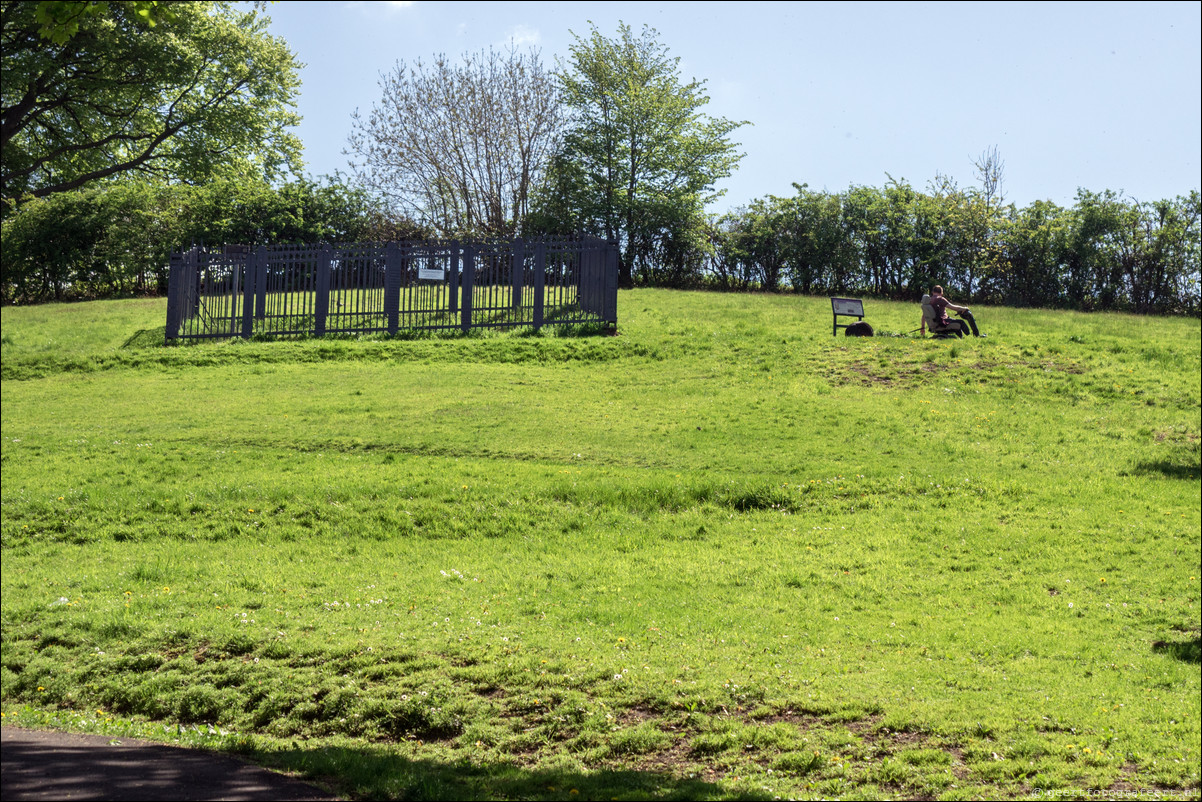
59,20
1106,253
1139,256
205,91
768,238
679,249
952,235
461,147
115,238
640,156
883,231
818,254
731,266
1033,243
1172,269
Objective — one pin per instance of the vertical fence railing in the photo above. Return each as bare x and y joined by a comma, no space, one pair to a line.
370,288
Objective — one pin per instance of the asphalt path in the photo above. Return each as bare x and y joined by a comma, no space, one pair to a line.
42,765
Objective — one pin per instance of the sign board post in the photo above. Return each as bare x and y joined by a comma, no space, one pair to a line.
845,307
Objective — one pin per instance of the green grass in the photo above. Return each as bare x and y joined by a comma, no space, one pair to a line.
721,555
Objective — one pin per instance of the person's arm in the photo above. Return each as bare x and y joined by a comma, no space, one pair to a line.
955,308
922,325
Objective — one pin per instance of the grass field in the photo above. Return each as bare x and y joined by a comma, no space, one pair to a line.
722,555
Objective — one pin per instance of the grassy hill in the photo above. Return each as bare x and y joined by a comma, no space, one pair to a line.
720,555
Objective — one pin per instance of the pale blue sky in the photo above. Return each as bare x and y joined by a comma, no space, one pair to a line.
1092,95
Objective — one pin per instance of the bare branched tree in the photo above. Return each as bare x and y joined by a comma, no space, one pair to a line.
991,170
460,147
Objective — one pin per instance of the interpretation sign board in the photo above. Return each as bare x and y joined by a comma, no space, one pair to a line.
845,307
848,306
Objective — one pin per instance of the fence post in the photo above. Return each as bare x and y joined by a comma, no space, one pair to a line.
248,296
610,304
392,286
468,285
175,284
587,290
453,273
260,259
517,275
582,267
540,282
196,282
322,301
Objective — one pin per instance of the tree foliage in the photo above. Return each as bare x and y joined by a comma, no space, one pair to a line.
116,238
640,158
1106,252
59,20
461,146
203,92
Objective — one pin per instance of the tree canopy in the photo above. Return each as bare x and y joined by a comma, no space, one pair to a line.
203,91
1107,252
59,20
641,158
115,238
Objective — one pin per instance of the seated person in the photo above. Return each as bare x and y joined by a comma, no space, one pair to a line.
938,320
930,321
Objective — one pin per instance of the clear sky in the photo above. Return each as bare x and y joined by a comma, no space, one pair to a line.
1082,94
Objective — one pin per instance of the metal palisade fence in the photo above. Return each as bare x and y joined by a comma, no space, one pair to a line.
378,288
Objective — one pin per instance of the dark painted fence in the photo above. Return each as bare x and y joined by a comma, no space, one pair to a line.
370,288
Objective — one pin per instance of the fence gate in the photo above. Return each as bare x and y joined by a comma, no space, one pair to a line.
368,288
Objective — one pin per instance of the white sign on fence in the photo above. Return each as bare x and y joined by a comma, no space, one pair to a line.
431,273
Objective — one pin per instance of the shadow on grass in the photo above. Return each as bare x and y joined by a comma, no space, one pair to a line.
1187,651
50,765
156,338
1171,469
371,774
146,338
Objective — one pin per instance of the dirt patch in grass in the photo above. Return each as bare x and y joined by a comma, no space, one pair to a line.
636,715
675,760
872,377
803,721
1176,436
